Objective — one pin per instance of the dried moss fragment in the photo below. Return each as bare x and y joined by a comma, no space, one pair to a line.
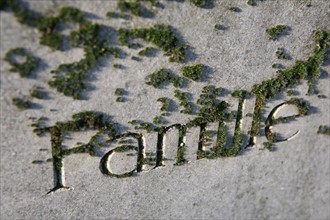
24,68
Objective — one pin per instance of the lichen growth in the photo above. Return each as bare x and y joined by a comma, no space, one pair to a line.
25,68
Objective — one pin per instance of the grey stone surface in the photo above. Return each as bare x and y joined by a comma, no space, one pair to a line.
291,182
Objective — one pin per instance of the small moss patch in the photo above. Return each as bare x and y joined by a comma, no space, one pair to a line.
163,76
282,54
275,31
24,68
324,129
160,35
193,72
21,103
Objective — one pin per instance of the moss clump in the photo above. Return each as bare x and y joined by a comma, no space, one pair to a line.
38,92
48,26
201,3
219,27
193,72
40,126
165,103
24,68
159,77
323,129
148,51
275,31
210,108
234,9
289,77
184,102
160,35
290,92
163,76
69,78
138,59
21,103
120,93
147,126
251,2
281,54
133,6
158,120
117,66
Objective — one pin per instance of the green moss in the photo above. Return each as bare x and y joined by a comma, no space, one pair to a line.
275,31
290,92
281,54
275,65
160,35
70,79
40,126
193,72
24,68
162,77
38,92
70,14
251,2
119,92
201,3
158,78
136,58
234,9
324,129
158,120
21,103
321,96
48,26
165,103
117,66
38,162
148,51
184,102
219,27
133,6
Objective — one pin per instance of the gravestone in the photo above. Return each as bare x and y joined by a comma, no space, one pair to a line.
165,109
